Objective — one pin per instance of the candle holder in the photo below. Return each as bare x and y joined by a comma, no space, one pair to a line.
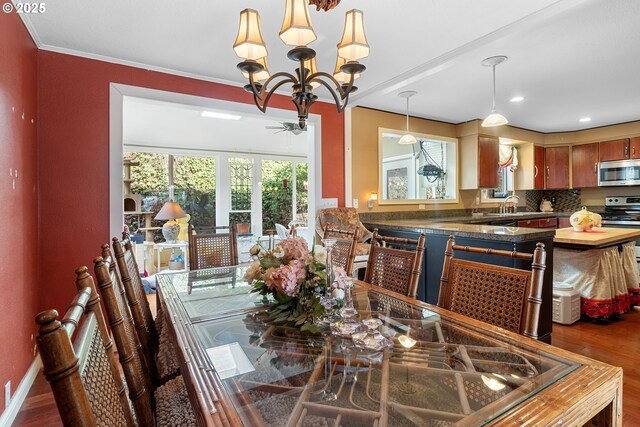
372,339
327,300
348,324
407,342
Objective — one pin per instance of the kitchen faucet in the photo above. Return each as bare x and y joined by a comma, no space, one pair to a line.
510,198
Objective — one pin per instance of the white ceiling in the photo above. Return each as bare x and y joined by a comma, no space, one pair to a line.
568,58
163,125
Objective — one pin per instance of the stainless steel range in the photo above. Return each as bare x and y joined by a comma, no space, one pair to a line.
621,211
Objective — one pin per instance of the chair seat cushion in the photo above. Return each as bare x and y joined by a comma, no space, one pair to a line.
167,359
173,408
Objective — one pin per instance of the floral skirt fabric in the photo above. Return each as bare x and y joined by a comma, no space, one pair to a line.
607,279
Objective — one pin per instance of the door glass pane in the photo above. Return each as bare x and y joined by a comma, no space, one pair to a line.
277,193
149,184
241,171
194,181
302,191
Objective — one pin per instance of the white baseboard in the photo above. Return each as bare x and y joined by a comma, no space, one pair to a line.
11,411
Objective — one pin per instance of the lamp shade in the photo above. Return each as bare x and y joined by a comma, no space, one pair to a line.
407,139
353,45
494,119
340,75
249,43
297,29
310,64
262,75
170,210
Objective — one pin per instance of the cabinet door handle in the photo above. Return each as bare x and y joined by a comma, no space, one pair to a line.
626,151
548,173
595,168
535,171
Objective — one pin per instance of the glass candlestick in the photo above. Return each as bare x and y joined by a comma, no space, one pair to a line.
327,301
348,323
372,339
328,393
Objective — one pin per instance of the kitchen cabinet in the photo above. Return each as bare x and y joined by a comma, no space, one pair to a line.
617,149
539,223
479,160
635,147
564,222
530,172
538,167
556,160
584,165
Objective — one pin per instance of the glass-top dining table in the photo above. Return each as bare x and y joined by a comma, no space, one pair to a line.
443,369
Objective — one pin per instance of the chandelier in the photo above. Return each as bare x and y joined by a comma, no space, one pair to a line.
298,31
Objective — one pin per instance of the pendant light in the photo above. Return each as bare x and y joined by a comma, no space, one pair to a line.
407,138
494,119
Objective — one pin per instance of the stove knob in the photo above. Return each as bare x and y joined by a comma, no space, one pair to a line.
616,200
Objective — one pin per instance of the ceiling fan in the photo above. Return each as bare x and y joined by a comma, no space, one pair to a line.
294,128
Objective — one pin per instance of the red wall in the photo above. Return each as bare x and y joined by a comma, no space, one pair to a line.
19,238
73,100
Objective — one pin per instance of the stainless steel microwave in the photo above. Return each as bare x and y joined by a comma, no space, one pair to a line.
619,172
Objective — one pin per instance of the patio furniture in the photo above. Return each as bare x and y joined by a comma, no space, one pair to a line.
392,268
506,297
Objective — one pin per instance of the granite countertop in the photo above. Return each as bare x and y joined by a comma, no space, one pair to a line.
464,227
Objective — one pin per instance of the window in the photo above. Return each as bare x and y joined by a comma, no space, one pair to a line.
194,181
241,183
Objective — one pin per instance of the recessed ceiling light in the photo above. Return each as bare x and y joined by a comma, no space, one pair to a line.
224,116
585,119
517,99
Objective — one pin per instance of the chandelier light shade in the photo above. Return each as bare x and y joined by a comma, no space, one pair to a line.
407,138
297,29
340,75
494,119
353,45
262,75
310,64
249,43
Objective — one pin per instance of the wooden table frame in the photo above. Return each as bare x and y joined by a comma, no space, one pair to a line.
593,389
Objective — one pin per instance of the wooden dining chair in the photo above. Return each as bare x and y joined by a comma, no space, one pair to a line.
152,336
343,253
213,249
84,376
393,268
170,399
503,296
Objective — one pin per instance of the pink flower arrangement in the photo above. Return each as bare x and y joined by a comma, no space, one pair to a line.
294,278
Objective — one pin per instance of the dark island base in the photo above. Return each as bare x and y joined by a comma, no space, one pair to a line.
429,283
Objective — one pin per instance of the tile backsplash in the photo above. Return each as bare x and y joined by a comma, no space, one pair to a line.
565,200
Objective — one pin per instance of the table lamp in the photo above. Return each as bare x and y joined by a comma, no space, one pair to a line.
171,229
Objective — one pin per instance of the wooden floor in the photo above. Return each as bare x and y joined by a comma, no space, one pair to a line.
616,343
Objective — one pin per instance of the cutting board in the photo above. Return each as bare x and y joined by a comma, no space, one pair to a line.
601,238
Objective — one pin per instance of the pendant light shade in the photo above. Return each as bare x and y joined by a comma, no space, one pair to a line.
340,75
262,75
407,138
353,45
297,29
249,43
494,119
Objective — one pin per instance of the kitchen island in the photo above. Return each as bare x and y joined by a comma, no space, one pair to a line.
486,236
601,265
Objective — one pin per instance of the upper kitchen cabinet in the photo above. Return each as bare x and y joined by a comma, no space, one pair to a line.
584,165
617,149
556,161
530,171
479,162
635,147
